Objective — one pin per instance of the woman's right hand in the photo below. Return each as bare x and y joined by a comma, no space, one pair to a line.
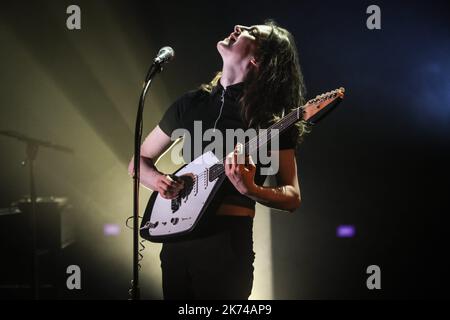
167,187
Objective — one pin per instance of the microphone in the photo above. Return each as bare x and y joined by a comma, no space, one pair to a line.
164,55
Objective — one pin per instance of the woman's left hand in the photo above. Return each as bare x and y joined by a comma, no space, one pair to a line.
241,173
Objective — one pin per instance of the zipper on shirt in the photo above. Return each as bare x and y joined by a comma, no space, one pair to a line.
222,98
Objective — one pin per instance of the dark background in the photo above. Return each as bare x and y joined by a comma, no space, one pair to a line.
379,162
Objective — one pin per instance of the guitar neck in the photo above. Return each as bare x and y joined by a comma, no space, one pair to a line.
305,112
265,135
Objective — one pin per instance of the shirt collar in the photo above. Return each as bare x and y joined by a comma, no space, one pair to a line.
233,91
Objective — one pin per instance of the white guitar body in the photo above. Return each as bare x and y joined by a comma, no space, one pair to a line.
169,218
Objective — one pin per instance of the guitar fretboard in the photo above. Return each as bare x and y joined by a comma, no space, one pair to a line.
266,135
306,112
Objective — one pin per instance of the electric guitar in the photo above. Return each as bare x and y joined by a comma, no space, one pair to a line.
168,220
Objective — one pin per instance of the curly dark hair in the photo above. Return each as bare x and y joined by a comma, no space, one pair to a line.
276,86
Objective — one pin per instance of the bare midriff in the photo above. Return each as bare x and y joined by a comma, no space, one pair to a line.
226,209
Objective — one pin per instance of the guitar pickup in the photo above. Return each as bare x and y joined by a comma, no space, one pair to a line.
205,178
195,185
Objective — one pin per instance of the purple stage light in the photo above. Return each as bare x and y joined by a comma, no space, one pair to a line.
111,229
345,231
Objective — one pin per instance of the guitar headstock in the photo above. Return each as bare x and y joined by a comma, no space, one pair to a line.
313,106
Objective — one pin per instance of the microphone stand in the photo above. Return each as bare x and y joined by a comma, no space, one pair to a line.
32,146
155,68
32,149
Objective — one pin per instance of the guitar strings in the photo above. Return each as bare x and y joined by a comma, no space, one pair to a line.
284,123
288,120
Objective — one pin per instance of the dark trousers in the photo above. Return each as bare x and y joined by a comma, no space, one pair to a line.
217,266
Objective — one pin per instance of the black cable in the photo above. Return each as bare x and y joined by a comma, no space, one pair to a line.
140,255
